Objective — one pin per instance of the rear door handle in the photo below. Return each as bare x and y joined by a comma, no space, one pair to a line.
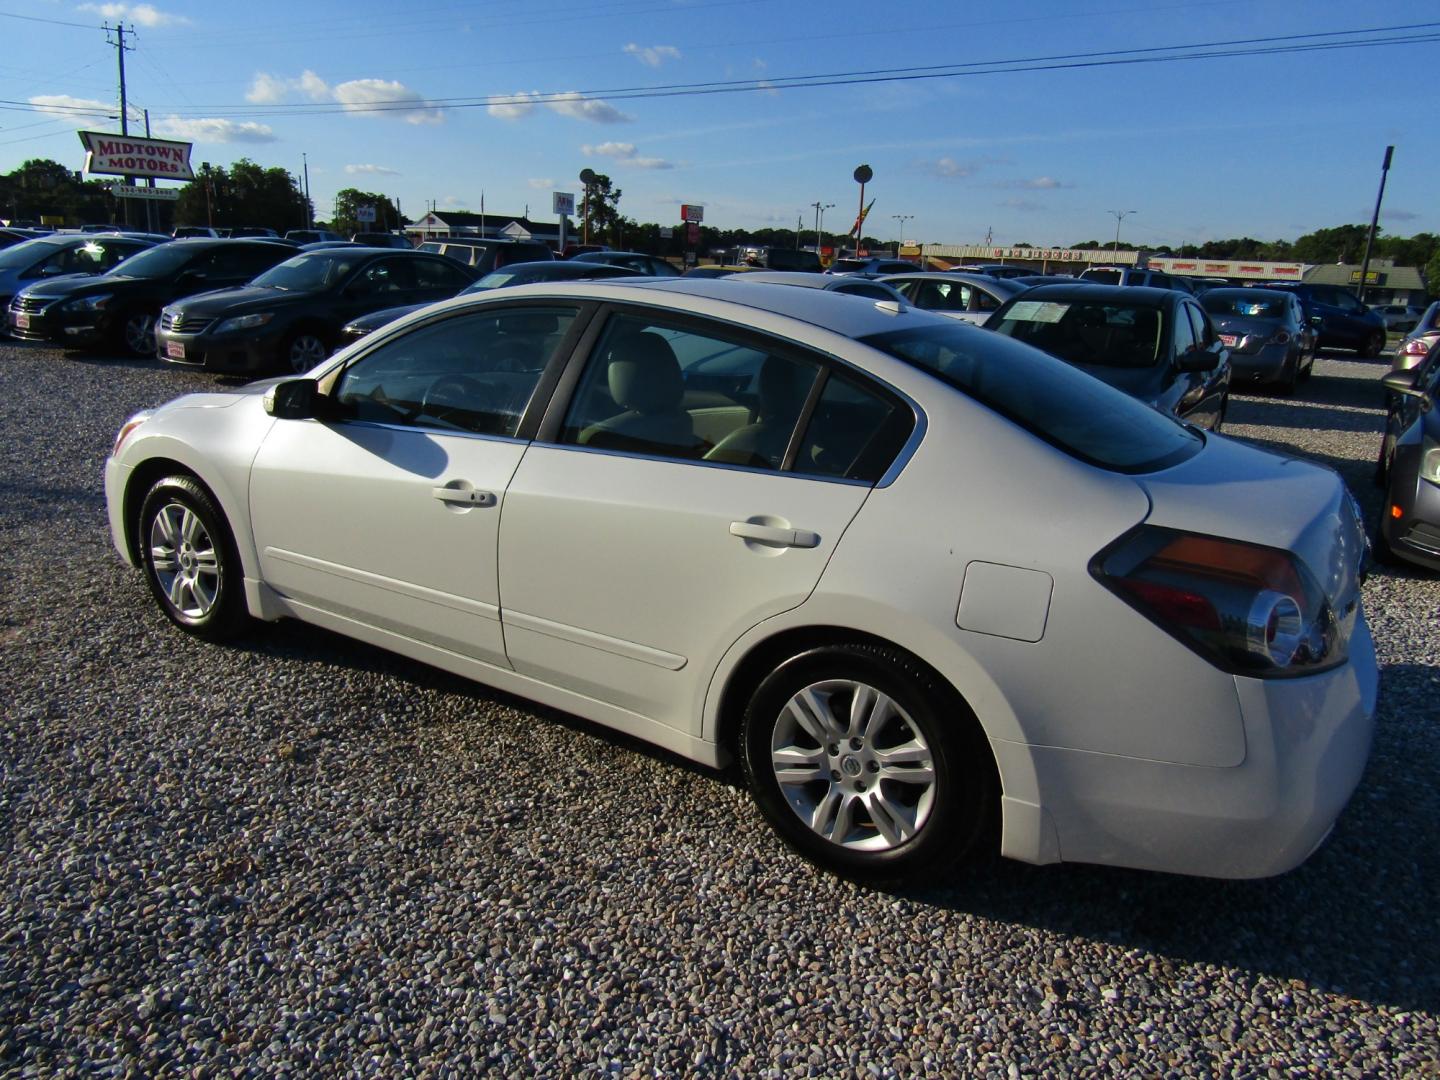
774,534
464,496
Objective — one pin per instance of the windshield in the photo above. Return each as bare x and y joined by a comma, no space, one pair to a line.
1110,335
849,264
1102,277
21,255
1067,408
1244,302
312,272
157,262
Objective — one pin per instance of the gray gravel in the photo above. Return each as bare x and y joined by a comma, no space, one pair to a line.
303,856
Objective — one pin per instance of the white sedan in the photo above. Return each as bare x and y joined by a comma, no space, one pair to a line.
934,589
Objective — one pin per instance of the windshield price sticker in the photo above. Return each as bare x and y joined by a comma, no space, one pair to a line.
1037,311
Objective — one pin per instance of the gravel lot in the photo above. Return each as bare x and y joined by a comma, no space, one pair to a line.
303,856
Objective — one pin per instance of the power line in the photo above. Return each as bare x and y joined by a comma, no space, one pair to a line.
52,22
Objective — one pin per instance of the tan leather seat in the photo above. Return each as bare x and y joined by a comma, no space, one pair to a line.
644,379
782,387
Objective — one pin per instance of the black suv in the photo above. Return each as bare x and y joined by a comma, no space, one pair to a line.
1343,322
120,306
289,317
484,255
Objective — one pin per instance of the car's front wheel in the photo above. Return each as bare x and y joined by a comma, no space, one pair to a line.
137,333
866,765
190,561
1374,345
302,351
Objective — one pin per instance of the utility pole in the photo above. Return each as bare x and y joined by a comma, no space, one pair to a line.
120,50
820,209
150,183
901,218
1120,215
309,210
1374,221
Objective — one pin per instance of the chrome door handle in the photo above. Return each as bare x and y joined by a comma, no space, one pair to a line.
464,496
773,534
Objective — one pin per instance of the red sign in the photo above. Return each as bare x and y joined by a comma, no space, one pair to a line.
692,213
692,232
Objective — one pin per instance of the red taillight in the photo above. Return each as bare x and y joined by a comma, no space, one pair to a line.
1416,347
1249,609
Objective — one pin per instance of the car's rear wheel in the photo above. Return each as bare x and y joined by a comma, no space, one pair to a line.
303,350
1374,345
1382,463
190,561
137,333
866,765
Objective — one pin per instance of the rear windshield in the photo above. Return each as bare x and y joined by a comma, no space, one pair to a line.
1244,302
1069,409
847,265
1110,335
1102,277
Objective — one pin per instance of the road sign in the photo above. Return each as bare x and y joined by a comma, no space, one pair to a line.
563,202
365,215
134,191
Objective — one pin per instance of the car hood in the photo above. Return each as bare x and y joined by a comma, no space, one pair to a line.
59,288
376,319
1232,489
236,300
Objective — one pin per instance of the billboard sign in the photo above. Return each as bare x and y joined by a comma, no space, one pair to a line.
562,202
108,154
365,215
692,213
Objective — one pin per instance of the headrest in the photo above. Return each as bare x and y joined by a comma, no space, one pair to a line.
644,374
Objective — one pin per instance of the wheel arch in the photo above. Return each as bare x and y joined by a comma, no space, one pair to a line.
138,486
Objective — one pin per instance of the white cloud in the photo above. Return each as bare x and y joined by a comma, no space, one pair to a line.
1025,206
541,183
312,86
950,168
370,170
83,112
266,89
609,149
652,55
512,106
649,163
144,14
580,107
214,130
384,97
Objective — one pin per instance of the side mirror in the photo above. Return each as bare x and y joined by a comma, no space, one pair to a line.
1402,382
295,399
1317,321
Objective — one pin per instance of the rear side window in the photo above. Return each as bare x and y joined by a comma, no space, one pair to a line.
1069,409
1102,277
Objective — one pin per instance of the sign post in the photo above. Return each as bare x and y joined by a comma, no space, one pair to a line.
692,214
562,205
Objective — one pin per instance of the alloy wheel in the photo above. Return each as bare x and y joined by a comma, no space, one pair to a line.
184,560
306,350
140,333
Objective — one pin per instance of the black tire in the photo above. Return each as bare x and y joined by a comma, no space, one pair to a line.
927,829
1374,345
190,560
1382,462
136,333
1380,550
302,350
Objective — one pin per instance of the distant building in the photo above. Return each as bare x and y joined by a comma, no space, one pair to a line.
443,223
1386,283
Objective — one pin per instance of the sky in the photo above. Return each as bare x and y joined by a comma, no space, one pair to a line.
1047,122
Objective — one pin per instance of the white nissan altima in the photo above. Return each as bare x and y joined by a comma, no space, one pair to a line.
933,588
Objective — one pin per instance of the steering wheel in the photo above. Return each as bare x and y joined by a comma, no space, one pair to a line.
452,395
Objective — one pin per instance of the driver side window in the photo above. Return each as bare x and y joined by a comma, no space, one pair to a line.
474,373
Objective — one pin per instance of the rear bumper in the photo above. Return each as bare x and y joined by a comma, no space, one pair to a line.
1266,364
1307,742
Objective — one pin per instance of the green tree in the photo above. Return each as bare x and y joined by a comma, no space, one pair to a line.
41,188
1432,274
346,219
244,194
1343,243
606,225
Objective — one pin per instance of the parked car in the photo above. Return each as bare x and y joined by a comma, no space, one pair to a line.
1342,321
1398,317
1155,344
633,261
871,266
241,232
773,258
382,239
714,270
964,296
996,270
1032,280
119,307
1269,338
192,232
1414,345
1129,275
32,262
744,521
846,285
311,236
11,237
289,317
514,274
1409,466
572,249
483,255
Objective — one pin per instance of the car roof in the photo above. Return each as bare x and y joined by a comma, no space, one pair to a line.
1242,291
1145,295
849,316
984,281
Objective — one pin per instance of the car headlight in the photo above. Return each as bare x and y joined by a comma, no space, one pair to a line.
1430,462
88,303
245,322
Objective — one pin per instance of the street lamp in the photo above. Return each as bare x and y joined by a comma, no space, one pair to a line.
820,209
1120,215
901,218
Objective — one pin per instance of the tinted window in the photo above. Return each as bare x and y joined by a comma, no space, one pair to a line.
158,262
1117,335
473,373
1067,408
241,260
438,274
940,295
1245,302
1204,331
1103,277
855,432
1183,334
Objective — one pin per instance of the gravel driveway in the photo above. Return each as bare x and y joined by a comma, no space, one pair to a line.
304,856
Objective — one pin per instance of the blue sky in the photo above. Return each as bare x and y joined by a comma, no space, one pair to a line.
441,101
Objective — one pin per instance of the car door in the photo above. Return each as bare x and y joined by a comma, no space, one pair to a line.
637,545
388,514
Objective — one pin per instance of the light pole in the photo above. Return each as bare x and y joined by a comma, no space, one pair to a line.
820,209
901,218
1120,215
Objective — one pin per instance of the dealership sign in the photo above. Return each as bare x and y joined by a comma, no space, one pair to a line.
134,191
124,155
1230,268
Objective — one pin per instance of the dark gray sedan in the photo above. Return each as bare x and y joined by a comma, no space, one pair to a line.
1155,344
1409,468
1269,338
